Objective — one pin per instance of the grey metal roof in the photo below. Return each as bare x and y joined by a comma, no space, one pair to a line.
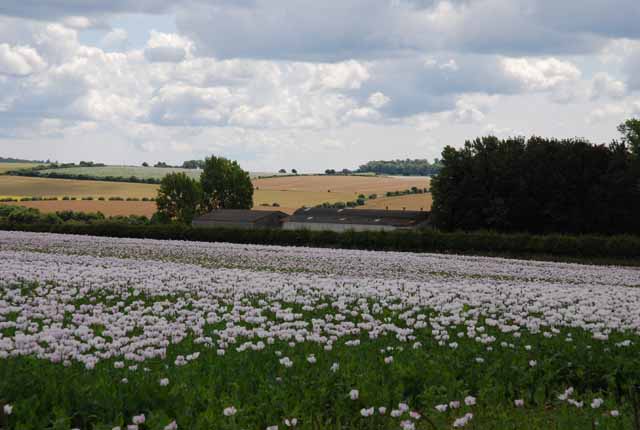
360,216
237,215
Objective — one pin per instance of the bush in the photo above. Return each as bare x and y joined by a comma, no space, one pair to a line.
479,242
22,215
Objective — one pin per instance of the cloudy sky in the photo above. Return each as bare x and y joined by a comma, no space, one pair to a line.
308,84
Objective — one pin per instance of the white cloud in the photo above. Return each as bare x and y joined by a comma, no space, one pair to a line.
603,86
19,60
115,40
540,74
378,100
164,47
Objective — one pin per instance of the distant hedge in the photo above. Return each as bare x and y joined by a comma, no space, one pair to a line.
38,173
484,243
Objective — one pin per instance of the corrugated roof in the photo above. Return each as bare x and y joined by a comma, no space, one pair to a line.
360,216
237,215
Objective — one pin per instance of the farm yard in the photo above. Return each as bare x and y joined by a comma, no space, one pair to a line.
100,333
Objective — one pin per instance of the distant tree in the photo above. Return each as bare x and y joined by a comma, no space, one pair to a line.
630,130
179,198
225,185
346,171
161,164
294,171
418,167
282,171
145,164
193,164
330,172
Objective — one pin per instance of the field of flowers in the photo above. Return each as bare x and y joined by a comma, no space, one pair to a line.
100,333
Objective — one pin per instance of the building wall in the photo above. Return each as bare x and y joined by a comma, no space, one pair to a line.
335,227
266,222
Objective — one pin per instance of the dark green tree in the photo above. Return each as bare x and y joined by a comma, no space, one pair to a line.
537,185
225,185
179,198
630,130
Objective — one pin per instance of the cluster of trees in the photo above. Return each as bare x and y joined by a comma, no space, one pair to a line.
418,167
29,216
541,185
284,171
222,185
337,172
193,164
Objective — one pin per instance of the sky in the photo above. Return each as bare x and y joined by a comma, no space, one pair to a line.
308,84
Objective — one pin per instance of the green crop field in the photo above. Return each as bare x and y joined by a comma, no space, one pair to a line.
129,171
20,186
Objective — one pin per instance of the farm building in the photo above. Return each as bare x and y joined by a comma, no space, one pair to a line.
355,219
240,218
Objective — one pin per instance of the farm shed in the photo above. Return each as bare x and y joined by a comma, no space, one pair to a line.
241,218
355,219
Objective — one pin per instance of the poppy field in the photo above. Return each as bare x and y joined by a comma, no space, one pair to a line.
103,333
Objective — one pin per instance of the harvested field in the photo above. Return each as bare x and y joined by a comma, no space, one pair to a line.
353,185
411,202
5,167
108,208
289,201
303,191
19,186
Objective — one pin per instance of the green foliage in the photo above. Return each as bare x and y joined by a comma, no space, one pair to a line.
22,215
630,130
193,164
179,197
580,248
225,185
537,185
402,167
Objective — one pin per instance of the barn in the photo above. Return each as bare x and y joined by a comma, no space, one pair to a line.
355,219
240,218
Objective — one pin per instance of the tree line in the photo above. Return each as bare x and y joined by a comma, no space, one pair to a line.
408,167
541,185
